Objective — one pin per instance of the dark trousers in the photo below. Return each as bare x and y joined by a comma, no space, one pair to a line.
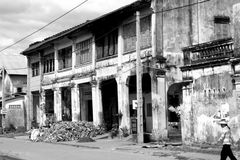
227,152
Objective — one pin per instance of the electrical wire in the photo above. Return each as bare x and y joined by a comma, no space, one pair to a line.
114,28
20,40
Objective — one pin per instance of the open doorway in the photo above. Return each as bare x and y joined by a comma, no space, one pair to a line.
110,103
85,91
49,104
35,110
174,97
66,104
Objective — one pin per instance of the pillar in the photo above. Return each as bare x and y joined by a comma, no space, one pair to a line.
153,28
42,108
73,56
236,24
55,60
75,103
120,46
123,101
93,54
29,96
97,103
159,107
58,104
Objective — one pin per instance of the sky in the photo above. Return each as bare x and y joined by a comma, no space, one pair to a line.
19,18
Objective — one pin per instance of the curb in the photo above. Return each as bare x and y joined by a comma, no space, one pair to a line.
73,145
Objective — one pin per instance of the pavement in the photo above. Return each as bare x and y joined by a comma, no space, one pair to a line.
164,149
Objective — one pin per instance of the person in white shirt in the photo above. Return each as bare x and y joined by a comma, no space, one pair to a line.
227,140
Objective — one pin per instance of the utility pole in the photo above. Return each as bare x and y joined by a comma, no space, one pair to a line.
139,83
3,97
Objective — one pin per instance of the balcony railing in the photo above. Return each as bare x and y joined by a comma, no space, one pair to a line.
208,52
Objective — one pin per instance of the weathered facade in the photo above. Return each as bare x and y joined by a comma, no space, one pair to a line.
89,71
13,85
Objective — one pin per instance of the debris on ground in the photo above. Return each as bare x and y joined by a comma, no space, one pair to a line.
67,131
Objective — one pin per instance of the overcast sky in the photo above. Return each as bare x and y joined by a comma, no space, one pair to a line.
19,18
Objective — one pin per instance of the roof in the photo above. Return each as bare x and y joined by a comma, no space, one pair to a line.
128,8
14,64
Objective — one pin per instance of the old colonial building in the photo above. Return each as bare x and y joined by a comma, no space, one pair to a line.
189,64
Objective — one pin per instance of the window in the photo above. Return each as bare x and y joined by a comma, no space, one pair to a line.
65,58
107,46
222,26
84,52
48,63
129,34
19,90
35,69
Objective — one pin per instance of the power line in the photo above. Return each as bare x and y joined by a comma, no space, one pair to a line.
189,5
43,26
114,28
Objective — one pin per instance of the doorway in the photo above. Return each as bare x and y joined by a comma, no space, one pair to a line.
174,97
110,103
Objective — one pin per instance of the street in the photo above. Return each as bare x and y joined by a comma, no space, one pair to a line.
27,150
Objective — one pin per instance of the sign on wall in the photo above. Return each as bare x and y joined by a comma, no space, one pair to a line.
134,104
13,107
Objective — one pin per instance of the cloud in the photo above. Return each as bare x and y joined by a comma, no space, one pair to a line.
20,18
8,7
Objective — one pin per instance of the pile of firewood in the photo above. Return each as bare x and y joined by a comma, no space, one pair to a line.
68,131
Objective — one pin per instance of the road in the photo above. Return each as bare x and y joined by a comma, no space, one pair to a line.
27,150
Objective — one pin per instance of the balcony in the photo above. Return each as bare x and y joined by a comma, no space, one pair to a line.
210,53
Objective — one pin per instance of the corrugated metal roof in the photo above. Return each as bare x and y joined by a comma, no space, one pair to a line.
14,64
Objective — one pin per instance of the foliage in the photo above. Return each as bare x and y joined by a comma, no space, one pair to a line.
114,131
10,129
124,131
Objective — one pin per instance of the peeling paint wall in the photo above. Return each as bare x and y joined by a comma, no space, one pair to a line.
203,106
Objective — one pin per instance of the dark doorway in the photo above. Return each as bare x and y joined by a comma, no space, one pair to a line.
85,97
90,110
174,98
66,104
49,104
110,103
35,101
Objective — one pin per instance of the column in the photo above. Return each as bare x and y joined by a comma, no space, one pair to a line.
58,104
123,101
75,103
97,103
55,60
42,107
29,105
153,28
93,53
73,56
120,45
159,106
236,24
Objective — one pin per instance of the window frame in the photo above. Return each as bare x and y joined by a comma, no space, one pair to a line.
65,55
35,69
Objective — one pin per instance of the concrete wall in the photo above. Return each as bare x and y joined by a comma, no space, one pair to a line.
16,113
209,98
